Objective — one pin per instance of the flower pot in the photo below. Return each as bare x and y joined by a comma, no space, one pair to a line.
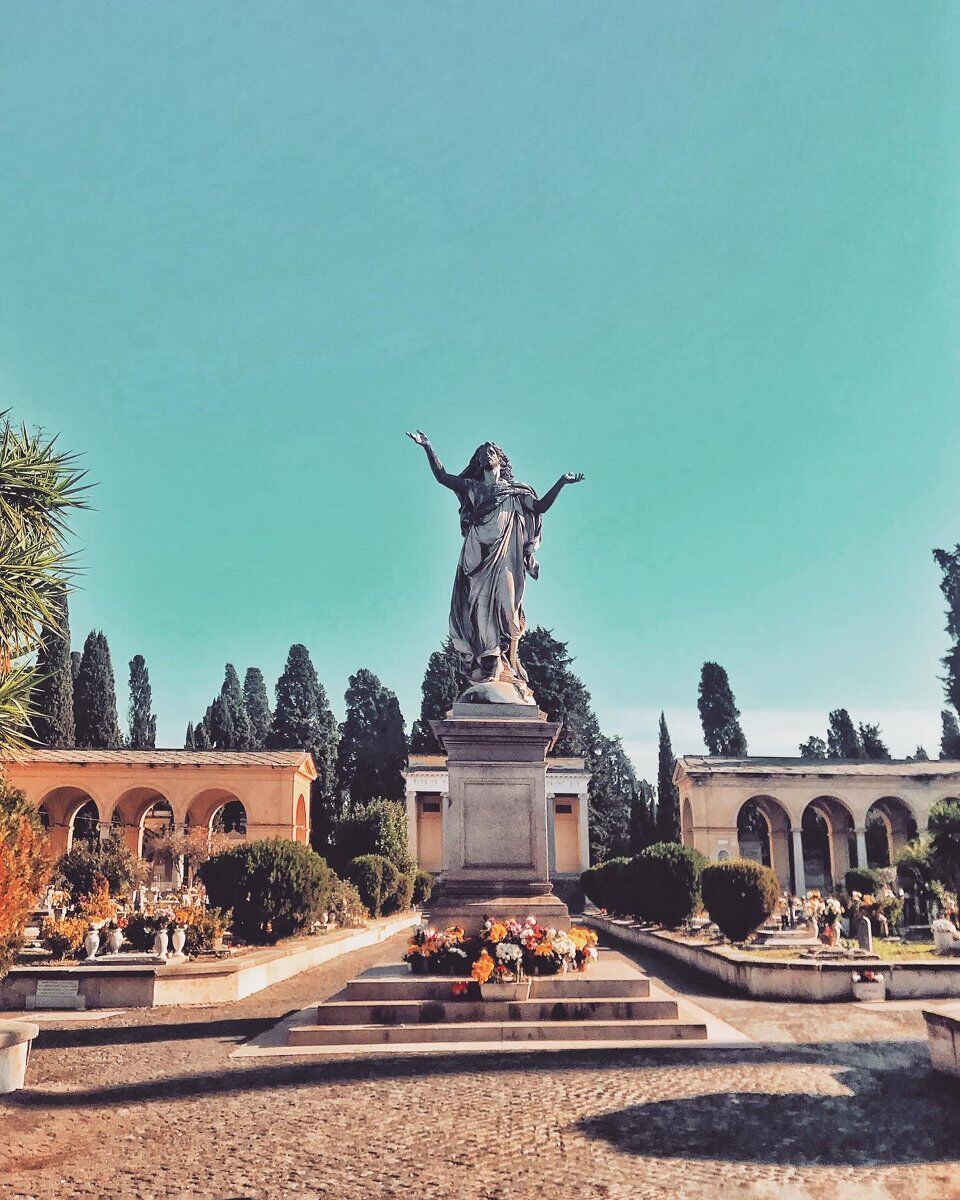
420,965
511,991
870,990
91,943
114,940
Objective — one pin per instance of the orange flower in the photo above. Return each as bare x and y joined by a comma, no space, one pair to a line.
482,969
497,932
545,948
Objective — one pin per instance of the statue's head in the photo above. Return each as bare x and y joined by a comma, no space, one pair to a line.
485,458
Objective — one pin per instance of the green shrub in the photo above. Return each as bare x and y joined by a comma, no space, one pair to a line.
140,931
376,879
665,883
739,895
608,885
402,898
77,871
944,829
863,880
380,828
422,888
275,887
345,905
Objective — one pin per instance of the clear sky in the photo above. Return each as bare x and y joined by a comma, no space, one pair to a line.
705,253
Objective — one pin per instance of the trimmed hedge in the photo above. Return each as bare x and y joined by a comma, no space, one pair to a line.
609,885
377,880
739,896
665,883
863,880
422,888
275,887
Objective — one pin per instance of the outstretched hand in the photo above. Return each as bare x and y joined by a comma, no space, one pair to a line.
570,477
419,437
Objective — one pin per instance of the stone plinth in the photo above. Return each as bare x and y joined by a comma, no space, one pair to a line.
495,849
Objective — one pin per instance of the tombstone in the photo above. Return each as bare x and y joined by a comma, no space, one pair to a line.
864,933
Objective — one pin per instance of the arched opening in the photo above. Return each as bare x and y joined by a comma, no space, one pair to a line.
889,825
230,821
686,823
763,834
300,821
85,826
157,843
815,837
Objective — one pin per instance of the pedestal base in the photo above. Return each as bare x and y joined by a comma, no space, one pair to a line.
471,913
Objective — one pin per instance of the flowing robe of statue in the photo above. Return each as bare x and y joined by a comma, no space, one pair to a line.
501,532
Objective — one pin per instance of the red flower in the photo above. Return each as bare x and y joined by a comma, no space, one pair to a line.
460,989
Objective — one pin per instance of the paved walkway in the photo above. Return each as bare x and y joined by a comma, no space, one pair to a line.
147,1105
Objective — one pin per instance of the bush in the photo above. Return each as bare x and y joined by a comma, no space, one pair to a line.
381,829
275,887
79,871
345,905
944,829
141,929
665,883
609,885
402,898
376,879
739,895
863,880
63,937
422,888
24,868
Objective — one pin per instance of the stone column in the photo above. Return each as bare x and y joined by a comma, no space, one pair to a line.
862,849
411,799
799,878
583,823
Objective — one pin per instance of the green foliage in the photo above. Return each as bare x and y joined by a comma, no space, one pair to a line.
666,883
719,714
143,722
813,748
422,888
873,744
231,695
373,748
561,694
642,818
950,737
257,704
220,723
441,687
402,898
944,829
843,741
380,828
739,896
189,742
613,785
275,887
610,885
668,798
52,696
377,880
302,720
345,905
76,872
95,697
949,563
202,738
863,880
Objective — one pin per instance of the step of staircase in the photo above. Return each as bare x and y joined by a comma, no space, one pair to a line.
497,1031
437,1012
549,987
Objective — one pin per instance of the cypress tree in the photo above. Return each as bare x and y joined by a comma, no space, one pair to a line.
373,746
950,737
95,697
949,563
143,721
189,742
231,693
441,687
53,723
75,660
919,755
257,705
222,732
559,692
303,720
641,818
668,798
873,744
201,732
843,741
719,714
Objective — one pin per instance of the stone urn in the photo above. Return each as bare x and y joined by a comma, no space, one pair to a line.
114,940
178,940
160,944
91,943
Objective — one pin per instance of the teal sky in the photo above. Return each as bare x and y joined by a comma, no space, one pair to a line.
705,253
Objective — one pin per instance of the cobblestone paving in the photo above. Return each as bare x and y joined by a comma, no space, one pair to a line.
147,1106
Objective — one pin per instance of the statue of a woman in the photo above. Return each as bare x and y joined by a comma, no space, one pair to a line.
500,520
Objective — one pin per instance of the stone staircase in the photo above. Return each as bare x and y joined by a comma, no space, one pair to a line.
612,1004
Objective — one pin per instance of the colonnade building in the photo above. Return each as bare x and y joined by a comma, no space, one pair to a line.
810,820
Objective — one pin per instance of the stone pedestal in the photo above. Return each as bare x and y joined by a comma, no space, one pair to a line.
495,848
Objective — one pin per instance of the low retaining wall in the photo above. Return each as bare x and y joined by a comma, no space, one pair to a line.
798,979
943,1038
211,982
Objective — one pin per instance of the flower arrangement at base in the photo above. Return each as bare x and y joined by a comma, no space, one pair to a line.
437,952
518,950
98,907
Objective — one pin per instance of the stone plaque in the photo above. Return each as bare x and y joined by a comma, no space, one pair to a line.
497,825
57,993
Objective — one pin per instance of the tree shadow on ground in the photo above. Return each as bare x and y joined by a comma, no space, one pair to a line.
894,1116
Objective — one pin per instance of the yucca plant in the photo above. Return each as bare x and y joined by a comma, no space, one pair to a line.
39,486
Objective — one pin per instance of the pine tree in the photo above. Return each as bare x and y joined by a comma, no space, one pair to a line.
373,747
52,696
95,697
873,744
949,563
222,733
302,720
843,741
719,714
257,704
231,693
668,798
814,747
143,722
611,791
440,689
950,738
189,742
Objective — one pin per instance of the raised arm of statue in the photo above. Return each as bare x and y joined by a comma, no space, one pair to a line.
455,483
547,500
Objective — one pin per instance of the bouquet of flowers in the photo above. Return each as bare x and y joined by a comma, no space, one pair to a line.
437,952
511,950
